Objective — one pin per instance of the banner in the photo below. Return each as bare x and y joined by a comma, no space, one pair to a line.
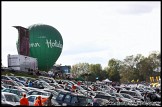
23,40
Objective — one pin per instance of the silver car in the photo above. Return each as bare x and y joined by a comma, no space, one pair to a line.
10,99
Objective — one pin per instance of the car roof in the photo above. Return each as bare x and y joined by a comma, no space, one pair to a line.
128,91
72,93
39,91
38,95
7,93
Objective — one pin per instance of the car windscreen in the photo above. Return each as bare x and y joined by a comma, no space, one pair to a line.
11,98
82,100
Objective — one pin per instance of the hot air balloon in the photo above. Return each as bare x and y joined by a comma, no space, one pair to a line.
45,44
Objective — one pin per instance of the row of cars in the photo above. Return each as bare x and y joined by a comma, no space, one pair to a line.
84,94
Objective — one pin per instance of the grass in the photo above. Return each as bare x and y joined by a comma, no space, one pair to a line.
17,74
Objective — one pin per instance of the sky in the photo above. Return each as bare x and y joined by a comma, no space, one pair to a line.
92,32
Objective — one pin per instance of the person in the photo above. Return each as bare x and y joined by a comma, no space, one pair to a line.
30,84
146,97
73,88
95,103
38,101
48,102
24,101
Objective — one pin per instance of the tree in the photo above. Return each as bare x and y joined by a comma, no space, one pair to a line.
79,69
113,70
96,70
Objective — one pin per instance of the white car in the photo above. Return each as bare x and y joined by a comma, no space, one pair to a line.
32,98
10,99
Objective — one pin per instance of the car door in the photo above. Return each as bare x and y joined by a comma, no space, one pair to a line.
31,100
67,99
60,98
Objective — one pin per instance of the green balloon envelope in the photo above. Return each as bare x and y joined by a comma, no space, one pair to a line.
46,45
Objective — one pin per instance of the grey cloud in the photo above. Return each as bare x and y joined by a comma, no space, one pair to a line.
138,8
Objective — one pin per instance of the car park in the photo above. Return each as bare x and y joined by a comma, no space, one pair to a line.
104,94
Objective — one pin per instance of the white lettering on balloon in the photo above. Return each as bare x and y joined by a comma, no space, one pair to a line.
51,44
34,45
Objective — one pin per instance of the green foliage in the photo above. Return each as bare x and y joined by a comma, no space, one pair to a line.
131,68
113,71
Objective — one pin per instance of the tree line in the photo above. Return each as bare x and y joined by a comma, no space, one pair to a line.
138,68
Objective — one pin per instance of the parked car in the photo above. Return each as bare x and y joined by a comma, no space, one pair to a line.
9,99
134,94
130,97
66,98
2,87
53,92
85,87
14,78
47,79
102,102
112,100
102,93
42,85
27,89
21,78
5,77
154,97
56,85
14,91
9,82
121,98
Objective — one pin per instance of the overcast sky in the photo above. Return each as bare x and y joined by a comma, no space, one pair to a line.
92,32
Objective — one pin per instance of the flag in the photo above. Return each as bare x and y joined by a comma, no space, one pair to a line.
157,78
132,81
150,79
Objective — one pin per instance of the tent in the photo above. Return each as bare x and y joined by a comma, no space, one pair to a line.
107,80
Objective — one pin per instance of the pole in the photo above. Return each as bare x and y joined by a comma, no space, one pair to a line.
87,85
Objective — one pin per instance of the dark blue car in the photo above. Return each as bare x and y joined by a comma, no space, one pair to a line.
67,98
